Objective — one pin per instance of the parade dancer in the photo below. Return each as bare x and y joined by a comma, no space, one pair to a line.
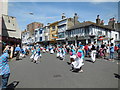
78,63
51,50
37,55
47,49
22,53
33,53
58,51
62,53
43,50
72,55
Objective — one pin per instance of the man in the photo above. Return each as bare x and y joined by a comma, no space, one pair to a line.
4,67
86,49
93,52
17,50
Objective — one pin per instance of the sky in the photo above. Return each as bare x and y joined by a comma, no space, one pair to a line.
49,12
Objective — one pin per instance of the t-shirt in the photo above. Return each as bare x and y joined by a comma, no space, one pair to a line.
112,49
4,67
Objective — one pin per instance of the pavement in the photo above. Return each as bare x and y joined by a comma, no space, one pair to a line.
54,73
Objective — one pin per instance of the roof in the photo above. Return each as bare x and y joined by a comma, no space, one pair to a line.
88,23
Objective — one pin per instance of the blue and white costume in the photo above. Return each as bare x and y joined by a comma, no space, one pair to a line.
37,55
51,50
78,63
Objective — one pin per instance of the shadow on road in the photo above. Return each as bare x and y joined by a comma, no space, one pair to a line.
89,61
68,63
117,75
12,85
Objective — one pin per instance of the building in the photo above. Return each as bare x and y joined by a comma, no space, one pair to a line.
32,26
25,37
65,24
3,10
88,32
11,33
53,32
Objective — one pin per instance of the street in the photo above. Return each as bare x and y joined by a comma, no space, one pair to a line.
54,73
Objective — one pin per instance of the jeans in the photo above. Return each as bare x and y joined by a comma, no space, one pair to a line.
5,78
86,52
17,55
111,55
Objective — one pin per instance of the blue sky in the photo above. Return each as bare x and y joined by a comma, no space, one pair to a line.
48,12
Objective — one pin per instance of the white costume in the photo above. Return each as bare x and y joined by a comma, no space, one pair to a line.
78,63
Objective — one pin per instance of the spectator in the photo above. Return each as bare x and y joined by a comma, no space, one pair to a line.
4,67
111,52
17,50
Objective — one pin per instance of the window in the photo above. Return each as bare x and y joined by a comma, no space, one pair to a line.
9,20
46,38
53,27
106,32
99,32
61,35
40,38
40,32
116,36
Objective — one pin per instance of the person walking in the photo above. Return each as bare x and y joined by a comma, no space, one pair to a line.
4,67
17,50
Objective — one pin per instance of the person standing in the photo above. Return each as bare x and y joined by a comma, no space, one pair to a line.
17,50
86,50
93,52
11,53
111,52
4,67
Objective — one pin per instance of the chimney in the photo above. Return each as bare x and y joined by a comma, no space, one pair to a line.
75,18
111,23
98,20
102,22
63,15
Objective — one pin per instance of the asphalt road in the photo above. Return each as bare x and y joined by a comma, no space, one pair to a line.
54,73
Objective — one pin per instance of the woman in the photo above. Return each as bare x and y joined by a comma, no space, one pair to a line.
51,50
78,63
33,53
72,55
58,51
37,55
62,53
